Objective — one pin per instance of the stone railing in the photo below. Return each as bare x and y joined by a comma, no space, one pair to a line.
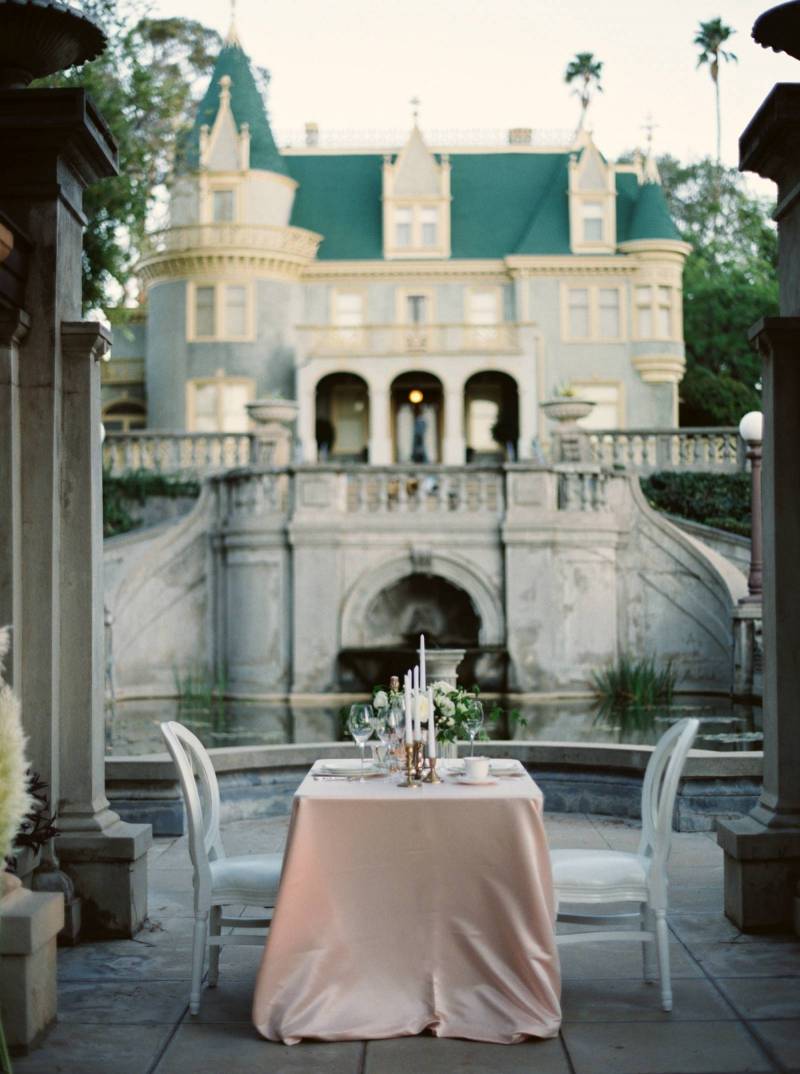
648,450
582,488
177,453
411,339
427,489
287,241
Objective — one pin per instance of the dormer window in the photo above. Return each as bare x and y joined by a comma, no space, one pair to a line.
416,202
222,206
592,199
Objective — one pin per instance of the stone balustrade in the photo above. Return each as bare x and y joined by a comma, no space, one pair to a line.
325,340
197,454
719,450
291,241
429,489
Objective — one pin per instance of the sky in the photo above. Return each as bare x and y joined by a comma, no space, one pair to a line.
355,65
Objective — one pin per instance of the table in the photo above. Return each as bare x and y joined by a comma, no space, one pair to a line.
404,910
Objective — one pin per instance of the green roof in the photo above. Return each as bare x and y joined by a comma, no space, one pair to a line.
651,219
502,203
247,106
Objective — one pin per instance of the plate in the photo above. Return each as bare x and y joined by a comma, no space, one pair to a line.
345,768
476,782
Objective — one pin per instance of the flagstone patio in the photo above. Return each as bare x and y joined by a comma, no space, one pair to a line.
123,1004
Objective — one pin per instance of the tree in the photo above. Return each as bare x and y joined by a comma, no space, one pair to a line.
145,85
588,71
730,280
710,38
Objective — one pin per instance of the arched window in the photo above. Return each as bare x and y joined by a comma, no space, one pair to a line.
124,415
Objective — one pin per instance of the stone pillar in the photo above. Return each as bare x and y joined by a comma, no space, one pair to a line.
762,850
29,924
105,857
454,443
56,145
380,425
13,327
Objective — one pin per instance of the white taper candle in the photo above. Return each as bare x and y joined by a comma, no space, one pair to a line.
409,716
423,682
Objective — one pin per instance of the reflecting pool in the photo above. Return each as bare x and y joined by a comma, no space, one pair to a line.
132,726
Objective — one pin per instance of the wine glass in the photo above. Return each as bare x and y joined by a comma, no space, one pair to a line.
473,721
360,726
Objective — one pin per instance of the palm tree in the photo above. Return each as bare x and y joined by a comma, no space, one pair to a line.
585,68
710,38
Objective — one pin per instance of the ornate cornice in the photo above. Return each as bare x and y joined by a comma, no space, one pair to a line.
569,265
670,247
660,368
413,270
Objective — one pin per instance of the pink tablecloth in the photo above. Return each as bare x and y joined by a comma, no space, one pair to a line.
404,910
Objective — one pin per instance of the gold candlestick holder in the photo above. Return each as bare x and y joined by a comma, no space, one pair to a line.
410,780
418,759
432,777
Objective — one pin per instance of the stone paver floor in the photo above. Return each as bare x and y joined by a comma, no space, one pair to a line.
123,1004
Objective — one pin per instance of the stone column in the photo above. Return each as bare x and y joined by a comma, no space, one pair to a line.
380,424
454,443
13,327
762,850
56,145
105,857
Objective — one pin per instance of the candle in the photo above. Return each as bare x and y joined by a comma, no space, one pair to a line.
422,680
431,725
409,728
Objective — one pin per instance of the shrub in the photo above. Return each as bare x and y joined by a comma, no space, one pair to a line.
135,487
720,500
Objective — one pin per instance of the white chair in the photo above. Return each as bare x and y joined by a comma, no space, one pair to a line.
246,880
596,877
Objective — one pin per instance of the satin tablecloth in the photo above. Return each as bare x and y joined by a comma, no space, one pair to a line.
404,910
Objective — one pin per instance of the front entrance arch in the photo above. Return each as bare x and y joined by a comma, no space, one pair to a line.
417,417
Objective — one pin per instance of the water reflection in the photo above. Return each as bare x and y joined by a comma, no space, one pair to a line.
132,726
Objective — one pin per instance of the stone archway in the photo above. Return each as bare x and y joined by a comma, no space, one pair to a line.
486,602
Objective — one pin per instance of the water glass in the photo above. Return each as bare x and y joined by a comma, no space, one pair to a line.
360,725
473,721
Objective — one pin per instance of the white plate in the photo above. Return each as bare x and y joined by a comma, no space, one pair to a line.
476,782
345,768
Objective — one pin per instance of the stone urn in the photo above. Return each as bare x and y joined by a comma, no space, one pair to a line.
273,419
38,39
441,665
567,410
570,442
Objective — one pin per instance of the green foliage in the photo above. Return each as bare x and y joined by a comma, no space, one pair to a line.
145,85
730,280
136,487
710,38
196,688
585,69
721,500
629,682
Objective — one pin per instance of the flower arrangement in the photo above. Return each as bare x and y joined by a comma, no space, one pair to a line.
15,802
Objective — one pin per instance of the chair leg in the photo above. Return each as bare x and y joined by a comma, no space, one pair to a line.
198,957
213,950
662,940
648,924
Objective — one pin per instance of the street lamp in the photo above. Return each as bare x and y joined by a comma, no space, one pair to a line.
751,431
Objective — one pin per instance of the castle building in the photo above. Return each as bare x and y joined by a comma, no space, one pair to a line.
419,301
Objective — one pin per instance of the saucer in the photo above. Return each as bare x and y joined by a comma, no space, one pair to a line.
469,782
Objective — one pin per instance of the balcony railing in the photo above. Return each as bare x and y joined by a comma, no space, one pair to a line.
432,489
719,450
326,340
177,453
285,241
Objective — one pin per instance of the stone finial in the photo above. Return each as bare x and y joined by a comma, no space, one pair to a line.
225,91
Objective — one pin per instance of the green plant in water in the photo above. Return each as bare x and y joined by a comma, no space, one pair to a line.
196,689
634,682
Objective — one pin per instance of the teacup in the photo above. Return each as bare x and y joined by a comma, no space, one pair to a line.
476,767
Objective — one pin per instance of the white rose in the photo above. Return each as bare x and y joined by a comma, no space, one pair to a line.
442,687
422,702
446,707
381,700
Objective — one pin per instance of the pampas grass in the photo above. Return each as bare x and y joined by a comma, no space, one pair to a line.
15,802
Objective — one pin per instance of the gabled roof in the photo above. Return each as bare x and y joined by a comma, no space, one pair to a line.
247,106
502,203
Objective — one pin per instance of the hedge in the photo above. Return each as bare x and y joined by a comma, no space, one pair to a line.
720,500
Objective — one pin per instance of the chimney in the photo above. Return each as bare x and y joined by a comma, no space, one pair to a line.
312,134
520,136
